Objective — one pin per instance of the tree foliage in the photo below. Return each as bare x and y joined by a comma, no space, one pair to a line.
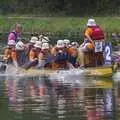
66,7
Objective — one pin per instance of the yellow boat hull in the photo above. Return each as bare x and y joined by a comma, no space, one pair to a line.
100,71
96,71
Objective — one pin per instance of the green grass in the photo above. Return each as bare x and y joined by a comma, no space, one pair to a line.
57,24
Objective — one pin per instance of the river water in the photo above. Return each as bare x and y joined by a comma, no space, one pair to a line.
55,98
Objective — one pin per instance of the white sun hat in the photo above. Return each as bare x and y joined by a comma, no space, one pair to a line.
45,46
38,44
20,45
12,42
60,44
45,39
91,22
75,44
66,41
33,39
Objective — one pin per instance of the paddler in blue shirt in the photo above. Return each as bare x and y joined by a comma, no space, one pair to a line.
60,56
21,56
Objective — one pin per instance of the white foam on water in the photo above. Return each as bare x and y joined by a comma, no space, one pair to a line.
116,76
12,71
74,77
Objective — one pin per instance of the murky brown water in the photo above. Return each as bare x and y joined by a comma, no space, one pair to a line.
43,98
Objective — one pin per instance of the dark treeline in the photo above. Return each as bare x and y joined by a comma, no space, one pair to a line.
63,7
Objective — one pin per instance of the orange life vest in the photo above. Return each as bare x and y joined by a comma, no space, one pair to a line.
14,55
33,54
7,55
72,52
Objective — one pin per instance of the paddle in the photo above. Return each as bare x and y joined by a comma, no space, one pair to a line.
2,61
30,64
70,66
2,66
42,63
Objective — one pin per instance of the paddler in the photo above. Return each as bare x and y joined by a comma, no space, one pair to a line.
33,55
67,43
18,55
86,47
95,34
45,57
7,52
15,34
73,53
31,44
14,53
60,56
94,39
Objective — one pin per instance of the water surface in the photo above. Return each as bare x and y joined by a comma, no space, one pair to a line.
52,98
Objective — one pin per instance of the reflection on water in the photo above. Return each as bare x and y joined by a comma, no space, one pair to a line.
43,98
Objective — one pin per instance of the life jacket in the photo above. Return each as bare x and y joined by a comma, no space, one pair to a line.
16,36
28,48
33,54
73,54
97,33
14,54
7,55
60,60
61,56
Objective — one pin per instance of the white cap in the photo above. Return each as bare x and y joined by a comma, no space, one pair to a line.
75,44
38,44
33,39
45,39
45,46
60,44
91,22
20,45
12,42
66,41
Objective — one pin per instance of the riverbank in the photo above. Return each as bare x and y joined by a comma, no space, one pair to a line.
57,24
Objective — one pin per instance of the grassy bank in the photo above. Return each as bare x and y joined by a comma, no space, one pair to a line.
57,24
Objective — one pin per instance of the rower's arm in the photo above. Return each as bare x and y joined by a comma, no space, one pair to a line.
88,33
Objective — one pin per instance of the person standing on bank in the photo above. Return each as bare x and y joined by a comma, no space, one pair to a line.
15,33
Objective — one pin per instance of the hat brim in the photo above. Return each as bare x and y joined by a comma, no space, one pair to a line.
44,48
32,42
18,48
37,46
60,46
91,24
